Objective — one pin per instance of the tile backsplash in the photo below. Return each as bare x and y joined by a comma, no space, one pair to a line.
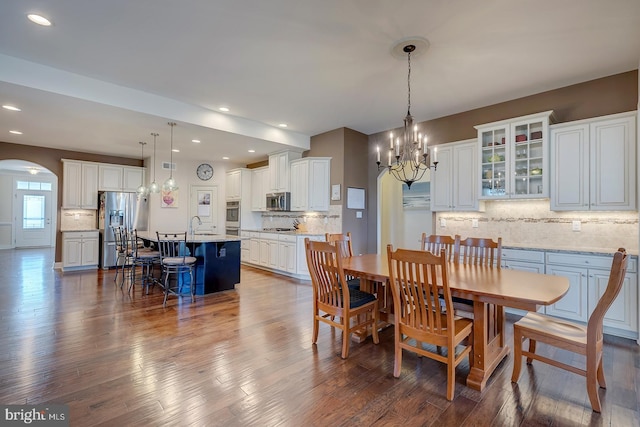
316,222
78,219
530,223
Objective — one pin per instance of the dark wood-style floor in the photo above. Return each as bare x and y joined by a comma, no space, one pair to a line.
244,358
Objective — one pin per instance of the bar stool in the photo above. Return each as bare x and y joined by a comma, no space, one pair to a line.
142,257
123,253
175,259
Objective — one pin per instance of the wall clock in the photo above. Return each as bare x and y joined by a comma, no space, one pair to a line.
204,171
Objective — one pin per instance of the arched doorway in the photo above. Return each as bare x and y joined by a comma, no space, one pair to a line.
29,216
398,225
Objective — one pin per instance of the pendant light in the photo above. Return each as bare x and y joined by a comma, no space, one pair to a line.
170,184
142,190
154,187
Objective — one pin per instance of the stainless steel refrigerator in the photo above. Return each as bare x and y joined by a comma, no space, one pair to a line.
119,209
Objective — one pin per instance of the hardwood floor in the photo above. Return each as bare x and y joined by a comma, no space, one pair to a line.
244,358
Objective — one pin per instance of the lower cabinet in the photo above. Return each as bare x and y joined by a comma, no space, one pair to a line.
282,253
79,250
588,277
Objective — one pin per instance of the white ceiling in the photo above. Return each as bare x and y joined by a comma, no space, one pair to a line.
109,73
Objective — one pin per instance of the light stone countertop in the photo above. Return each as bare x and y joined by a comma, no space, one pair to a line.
196,237
580,251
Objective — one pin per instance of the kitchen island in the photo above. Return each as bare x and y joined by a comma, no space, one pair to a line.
218,265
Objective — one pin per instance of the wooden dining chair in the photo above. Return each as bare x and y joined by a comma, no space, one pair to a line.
343,243
586,341
478,251
435,242
418,280
356,310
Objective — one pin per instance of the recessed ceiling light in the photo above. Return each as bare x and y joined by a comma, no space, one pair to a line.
38,19
283,125
15,132
225,158
225,109
195,141
175,150
11,107
252,151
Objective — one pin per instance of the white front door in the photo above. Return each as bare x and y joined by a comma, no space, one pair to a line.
33,218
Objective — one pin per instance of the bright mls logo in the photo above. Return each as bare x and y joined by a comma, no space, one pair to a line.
39,415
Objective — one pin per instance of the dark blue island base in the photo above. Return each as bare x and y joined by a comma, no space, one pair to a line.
218,265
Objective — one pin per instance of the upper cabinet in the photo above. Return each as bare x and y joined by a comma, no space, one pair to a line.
120,178
233,185
593,164
238,187
453,183
310,184
279,172
259,188
80,185
513,158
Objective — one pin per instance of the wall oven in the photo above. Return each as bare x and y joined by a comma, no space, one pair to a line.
232,219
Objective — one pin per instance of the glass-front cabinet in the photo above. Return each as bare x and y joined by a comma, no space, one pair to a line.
513,158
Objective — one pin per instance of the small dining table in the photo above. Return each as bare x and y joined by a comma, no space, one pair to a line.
490,289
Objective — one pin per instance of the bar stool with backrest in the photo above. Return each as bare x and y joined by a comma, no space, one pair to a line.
355,309
343,243
143,257
586,341
175,259
123,254
418,280
434,243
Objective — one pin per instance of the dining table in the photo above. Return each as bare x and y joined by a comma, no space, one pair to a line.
489,288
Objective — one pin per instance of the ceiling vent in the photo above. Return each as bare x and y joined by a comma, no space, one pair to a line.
168,166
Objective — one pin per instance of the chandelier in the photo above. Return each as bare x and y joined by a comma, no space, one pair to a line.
154,187
408,156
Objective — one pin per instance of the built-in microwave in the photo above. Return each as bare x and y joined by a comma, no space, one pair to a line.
233,215
279,202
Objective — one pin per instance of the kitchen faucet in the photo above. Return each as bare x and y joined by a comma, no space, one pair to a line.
191,230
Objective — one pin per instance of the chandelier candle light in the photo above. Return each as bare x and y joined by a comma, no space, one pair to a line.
408,155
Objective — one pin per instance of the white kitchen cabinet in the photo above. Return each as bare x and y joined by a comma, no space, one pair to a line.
513,158
254,248
79,250
132,178
245,246
287,253
259,188
80,185
588,276
593,164
233,185
310,184
119,178
453,184
279,173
